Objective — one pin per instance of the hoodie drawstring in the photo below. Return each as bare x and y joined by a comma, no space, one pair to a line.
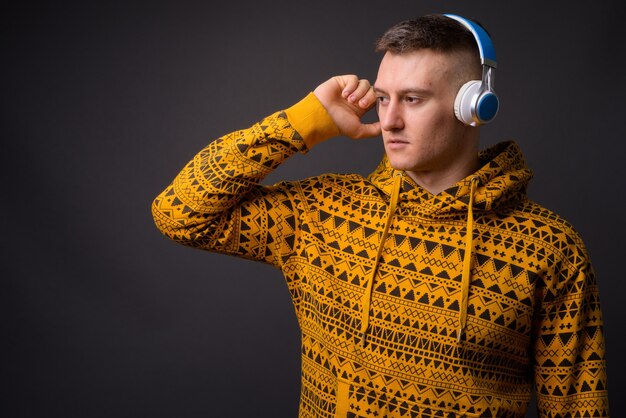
367,297
467,259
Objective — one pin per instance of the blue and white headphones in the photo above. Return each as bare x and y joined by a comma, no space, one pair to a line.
476,102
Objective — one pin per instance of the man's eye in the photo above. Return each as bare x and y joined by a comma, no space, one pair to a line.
411,99
382,99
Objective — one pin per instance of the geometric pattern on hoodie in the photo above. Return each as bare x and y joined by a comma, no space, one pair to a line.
533,314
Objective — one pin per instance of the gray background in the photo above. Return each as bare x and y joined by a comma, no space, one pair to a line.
103,103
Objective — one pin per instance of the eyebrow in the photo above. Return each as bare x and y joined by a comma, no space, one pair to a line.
403,92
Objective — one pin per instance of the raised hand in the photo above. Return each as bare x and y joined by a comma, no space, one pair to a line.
346,99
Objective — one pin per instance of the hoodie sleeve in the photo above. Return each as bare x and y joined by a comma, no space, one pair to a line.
570,369
216,202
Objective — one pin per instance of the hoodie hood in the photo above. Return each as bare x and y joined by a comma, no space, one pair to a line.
501,182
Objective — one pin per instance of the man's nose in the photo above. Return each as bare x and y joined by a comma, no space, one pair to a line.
390,117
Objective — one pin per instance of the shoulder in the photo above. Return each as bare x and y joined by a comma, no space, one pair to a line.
329,189
557,237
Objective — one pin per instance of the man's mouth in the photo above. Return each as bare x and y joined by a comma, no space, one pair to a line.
397,141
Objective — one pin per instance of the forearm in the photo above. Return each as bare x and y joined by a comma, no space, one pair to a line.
201,202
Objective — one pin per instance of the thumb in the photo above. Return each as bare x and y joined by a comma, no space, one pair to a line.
367,130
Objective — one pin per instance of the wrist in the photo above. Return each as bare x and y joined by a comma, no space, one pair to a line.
311,120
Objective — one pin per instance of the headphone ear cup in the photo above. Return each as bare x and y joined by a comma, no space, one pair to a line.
487,107
464,99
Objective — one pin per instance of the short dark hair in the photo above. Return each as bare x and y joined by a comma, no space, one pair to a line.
435,32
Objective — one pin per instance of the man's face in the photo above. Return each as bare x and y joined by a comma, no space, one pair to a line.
416,92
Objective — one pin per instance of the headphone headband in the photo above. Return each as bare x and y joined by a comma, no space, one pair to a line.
485,46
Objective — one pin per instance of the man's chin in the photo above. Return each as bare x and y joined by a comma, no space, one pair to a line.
399,164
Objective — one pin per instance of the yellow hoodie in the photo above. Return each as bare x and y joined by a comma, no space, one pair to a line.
410,304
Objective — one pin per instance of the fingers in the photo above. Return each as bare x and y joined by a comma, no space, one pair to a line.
347,99
357,91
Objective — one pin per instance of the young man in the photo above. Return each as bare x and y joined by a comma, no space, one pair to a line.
432,288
